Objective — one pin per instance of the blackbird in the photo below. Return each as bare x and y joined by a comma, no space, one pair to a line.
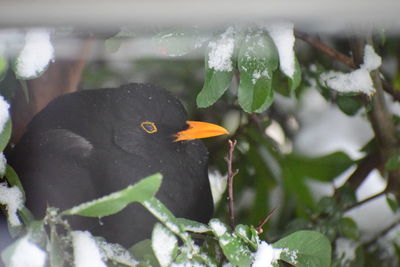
91,143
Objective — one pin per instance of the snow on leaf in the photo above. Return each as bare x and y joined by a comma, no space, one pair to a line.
35,55
26,253
356,81
372,61
266,255
12,198
221,51
86,251
115,202
164,244
282,34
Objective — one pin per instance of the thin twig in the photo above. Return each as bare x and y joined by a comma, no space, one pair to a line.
362,202
382,233
231,174
348,61
264,221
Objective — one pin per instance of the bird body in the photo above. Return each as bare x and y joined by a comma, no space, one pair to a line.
91,143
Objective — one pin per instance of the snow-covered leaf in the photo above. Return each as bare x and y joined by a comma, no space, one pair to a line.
283,36
24,253
193,226
164,244
116,253
305,249
13,179
219,69
115,202
248,234
257,60
233,247
178,42
35,56
86,251
55,250
161,212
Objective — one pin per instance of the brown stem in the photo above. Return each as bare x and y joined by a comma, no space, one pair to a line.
325,49
362,202
231,174
264,221
365,166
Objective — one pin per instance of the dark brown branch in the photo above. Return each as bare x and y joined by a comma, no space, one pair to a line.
365,166
362,202
231,174
264,221
348,61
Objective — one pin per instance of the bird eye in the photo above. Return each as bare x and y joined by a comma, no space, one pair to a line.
149,127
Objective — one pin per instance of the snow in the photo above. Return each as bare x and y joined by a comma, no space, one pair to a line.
220,56
4,114
358,80
12,198
346,249
116,252
35,55
86,251
27,254
217,184
163,243
372,61
266,255
218,227
3,164
355,81
257,75
282,34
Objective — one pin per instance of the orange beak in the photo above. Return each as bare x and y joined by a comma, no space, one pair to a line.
198,129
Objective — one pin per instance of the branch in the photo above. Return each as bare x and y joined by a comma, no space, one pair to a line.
264,221
231,174
348,61
362,202
365,166
338,56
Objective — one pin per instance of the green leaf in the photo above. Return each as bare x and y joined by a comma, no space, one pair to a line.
193,226
178,42
324,168
306,249
257,60
3,67
248,234
295,81
348,228
233,247
144,253
115,202
392,202
5,135
217,80
349,105
13,179
393,163
164,244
